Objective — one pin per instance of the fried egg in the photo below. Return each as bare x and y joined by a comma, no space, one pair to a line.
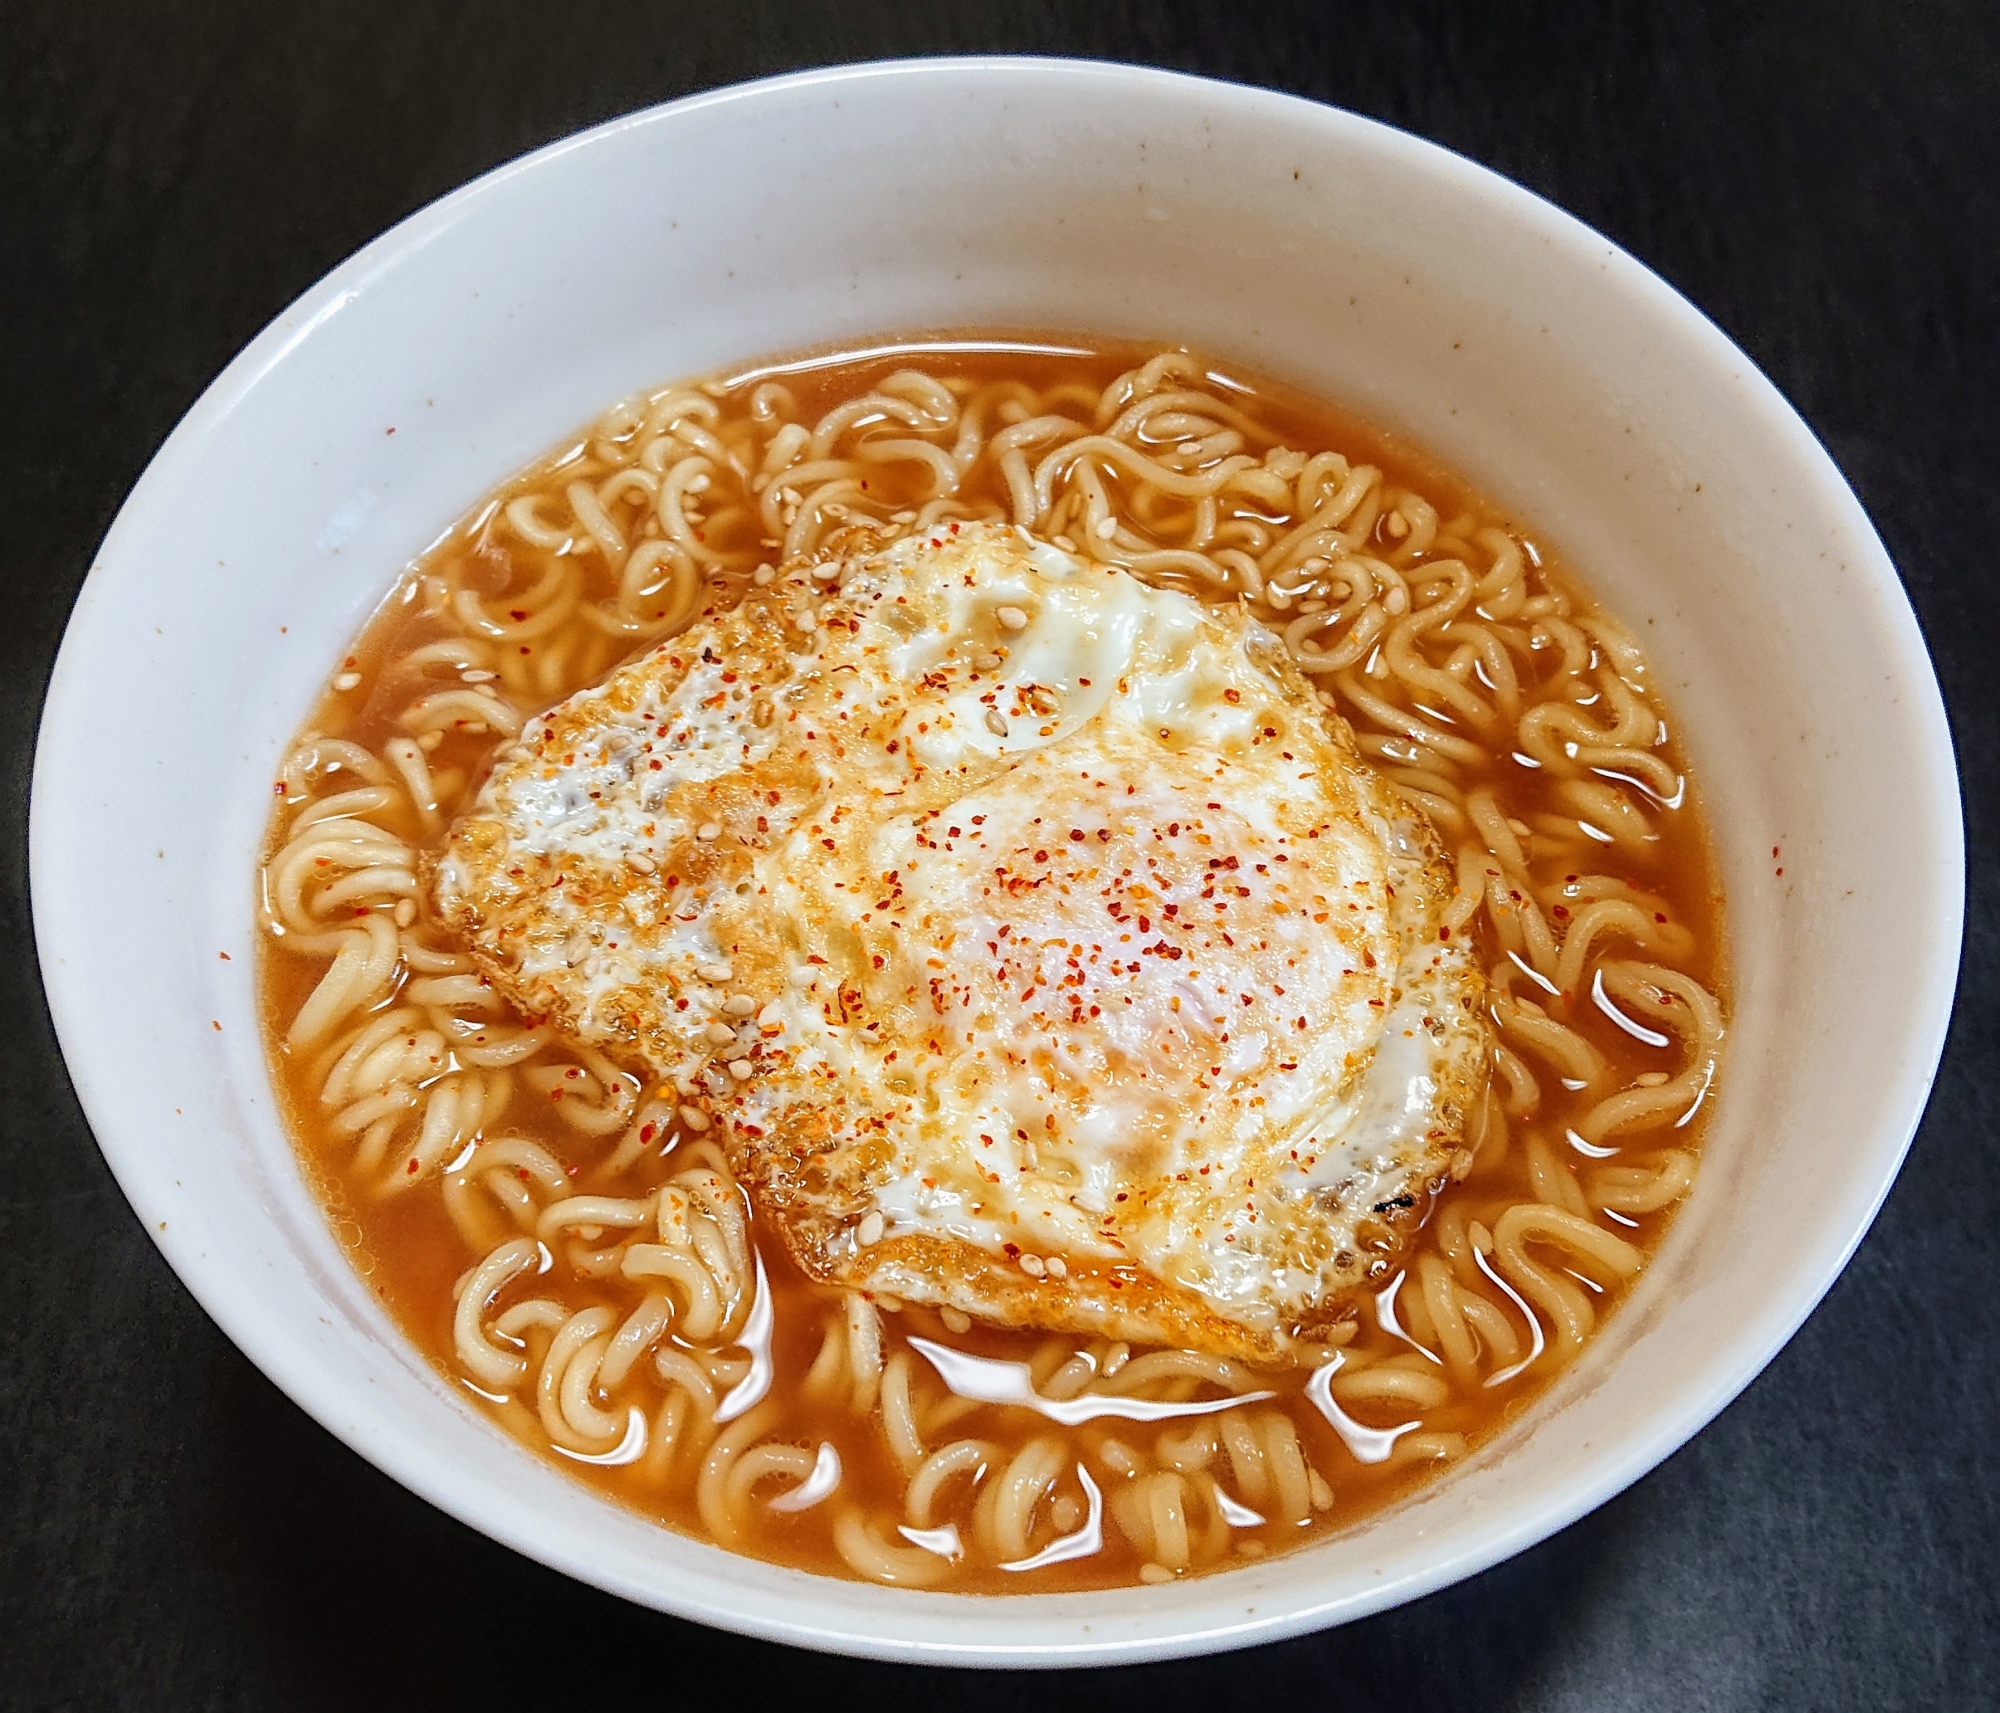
1032,938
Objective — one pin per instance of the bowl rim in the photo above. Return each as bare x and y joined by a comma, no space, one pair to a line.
295,1371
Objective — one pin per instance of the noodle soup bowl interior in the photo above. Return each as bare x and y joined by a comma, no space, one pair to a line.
1442,303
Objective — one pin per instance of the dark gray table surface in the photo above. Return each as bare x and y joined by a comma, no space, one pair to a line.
1821,179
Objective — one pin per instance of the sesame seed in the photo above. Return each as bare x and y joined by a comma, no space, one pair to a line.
693,1118
1105,528
740,1069
719,1034
869,1231
714,971
708,831
995,724
1033,1266
478,675
826,570
347,681
989,662
739,1005
763,576
1012,618
1651,1079
955,1320
1118,1455
1058,1267
639,862
578,946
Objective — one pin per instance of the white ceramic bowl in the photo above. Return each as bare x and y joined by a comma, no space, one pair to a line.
1522,348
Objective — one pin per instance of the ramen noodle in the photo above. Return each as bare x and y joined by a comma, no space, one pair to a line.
569,1209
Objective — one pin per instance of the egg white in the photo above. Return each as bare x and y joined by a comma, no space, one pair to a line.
1088,976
